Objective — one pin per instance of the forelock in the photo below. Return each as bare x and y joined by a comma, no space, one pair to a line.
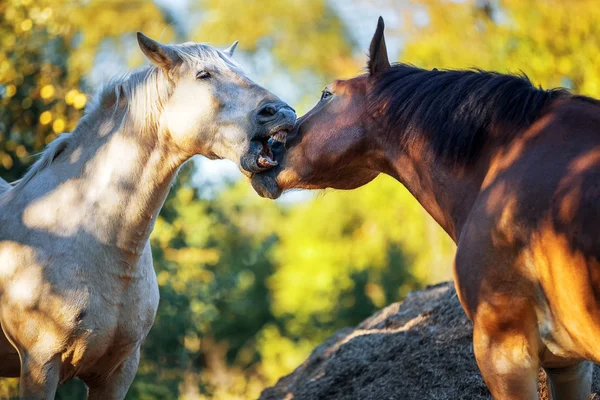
196,53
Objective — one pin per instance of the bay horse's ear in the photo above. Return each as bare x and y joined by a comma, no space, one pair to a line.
160,55
378,57
229,51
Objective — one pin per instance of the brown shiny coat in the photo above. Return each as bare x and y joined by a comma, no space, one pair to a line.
519,194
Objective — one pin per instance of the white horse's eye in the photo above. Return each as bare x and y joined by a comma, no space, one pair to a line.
203,75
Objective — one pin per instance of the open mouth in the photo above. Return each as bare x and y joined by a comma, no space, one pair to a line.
265,159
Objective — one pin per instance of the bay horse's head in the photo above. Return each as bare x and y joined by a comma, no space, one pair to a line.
207,105
330,146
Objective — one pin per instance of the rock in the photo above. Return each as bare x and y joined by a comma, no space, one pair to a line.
418,349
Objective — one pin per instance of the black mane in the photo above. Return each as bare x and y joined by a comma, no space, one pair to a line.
458,111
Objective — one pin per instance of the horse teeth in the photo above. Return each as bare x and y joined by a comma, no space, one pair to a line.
266,161
280,136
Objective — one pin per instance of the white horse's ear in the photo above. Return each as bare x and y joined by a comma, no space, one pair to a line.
378,58
160,55
229,51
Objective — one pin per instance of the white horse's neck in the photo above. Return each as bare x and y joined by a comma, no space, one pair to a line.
130,185
127,184
109,183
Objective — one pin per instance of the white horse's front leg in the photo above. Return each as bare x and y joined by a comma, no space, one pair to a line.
116,385
39,376
39,356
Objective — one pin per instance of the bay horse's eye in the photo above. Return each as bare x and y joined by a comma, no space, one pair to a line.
203,75
325,94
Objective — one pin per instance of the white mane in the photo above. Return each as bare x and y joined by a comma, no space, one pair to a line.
144,94
48,155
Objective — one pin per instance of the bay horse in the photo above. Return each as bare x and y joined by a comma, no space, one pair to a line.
78,292
510,171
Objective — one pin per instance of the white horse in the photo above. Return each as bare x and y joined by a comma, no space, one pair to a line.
78,292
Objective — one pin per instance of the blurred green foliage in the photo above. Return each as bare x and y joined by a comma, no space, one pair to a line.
46,48
249,286
286,28
554,42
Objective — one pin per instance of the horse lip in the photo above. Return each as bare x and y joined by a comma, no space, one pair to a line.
255,167
285,127
266,185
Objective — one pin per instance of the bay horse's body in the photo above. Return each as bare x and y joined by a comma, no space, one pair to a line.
78,292
510,171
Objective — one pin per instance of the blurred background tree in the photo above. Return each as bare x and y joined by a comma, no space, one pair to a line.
249,286
47,48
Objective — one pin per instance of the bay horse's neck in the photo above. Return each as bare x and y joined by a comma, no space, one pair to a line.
445,193
437,142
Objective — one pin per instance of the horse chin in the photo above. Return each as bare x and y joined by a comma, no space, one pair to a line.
266,185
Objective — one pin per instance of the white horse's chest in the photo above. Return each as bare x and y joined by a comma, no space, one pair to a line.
92,314
122,311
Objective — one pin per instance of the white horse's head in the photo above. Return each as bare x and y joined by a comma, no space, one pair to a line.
209,106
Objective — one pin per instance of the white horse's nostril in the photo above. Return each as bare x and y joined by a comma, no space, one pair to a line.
267,112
